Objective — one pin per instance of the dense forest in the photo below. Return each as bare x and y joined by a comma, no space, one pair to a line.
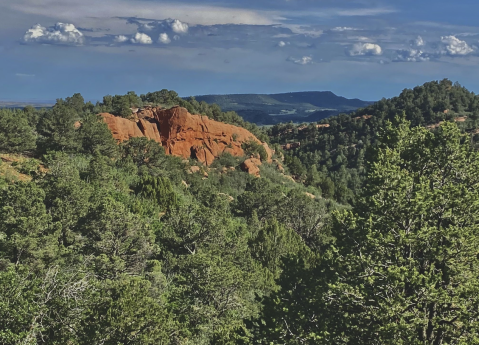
373,241
332,154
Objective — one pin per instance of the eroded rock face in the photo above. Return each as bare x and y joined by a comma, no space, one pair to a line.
121,129
124,129
197,136
183,134
251,166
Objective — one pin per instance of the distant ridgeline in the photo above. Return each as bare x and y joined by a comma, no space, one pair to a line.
332,154
284,107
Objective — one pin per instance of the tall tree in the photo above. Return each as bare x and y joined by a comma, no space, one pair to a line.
406,261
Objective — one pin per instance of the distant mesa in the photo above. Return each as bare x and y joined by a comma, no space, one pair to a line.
183,134
269,109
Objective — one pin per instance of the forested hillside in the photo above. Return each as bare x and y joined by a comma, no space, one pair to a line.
118,243
332,153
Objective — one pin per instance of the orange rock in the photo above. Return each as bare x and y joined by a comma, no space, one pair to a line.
195,169
122,129
269,152
183,134
149,130
197,136
251,166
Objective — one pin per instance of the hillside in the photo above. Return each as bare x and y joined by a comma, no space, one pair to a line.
284,107
360,229
336,148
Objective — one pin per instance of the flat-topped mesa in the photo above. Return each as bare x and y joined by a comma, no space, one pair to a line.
186,135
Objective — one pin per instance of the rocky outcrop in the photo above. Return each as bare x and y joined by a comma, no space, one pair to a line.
124,129
251,166
183,134
121,129
197,136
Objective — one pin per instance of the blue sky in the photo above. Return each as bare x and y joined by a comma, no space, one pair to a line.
365,49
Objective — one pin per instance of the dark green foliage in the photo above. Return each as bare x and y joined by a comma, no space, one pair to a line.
143,152
158,189
252,148
95,136
16,133
339,151
406,261
25,232
57,129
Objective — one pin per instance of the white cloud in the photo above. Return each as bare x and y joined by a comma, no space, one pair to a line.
179,27
360,49
282,44
147,27
419,42
164,38
23,75
61,33
305,60
343,28
411,55
141,38
176,38
454,46
121,39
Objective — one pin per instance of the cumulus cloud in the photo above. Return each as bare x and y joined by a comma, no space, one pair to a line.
454,46
164,38
412,55
282,44
419,42
179,27
121,39
61,33
361,49
141,38
305,60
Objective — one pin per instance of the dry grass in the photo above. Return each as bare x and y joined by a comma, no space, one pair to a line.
9,168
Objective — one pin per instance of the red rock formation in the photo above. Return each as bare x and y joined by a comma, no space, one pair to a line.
197,136
183,134
251,166
149,130
124,129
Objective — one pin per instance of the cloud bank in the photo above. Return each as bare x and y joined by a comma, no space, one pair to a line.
60,33
361,49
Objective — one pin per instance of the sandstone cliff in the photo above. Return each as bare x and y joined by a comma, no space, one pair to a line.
183,134
124,129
